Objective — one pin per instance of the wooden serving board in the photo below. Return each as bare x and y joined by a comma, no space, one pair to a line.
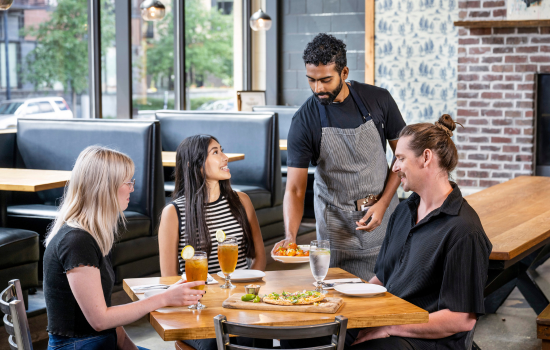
329,305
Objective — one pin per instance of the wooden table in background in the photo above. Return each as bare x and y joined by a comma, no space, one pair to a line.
543,328
180,323
516,217
28,180
169,158
282,144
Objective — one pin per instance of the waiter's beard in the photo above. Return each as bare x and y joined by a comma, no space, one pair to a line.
331,95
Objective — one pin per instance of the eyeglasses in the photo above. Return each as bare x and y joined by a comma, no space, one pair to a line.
130,184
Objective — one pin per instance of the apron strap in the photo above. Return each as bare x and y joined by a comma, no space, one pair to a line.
358,102
364,113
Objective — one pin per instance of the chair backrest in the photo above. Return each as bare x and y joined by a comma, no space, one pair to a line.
254,134
285,114
55,145
15,318
336,329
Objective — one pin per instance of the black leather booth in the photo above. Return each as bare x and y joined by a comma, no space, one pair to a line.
285,114
19,252
55,145
254,134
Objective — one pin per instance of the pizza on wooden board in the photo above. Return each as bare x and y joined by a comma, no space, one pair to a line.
297,298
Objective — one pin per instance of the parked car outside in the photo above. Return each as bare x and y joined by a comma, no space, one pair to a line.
218,105
43,108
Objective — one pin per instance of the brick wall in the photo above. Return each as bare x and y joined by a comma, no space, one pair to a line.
301,21
496,94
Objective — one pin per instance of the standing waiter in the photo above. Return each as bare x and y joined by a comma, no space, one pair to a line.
342,129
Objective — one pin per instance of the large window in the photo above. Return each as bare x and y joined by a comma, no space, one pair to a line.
152,61
47,56
209,54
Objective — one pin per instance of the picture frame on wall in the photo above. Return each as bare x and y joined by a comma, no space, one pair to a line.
248,99
528,9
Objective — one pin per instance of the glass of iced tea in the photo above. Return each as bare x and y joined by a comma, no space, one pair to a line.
196,269
228,253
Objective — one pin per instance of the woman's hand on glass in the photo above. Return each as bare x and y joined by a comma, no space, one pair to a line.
181,294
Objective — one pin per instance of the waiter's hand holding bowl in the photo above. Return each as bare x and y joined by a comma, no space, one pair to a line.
284,243
376,214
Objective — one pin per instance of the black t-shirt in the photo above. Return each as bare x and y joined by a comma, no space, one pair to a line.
70,248
304,137
439,263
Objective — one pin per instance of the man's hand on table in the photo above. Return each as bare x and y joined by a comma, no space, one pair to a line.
370,334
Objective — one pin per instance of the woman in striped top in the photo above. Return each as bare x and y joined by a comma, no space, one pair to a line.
203,192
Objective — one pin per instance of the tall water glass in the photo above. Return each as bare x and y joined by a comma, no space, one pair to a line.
228,253
196,269
319,261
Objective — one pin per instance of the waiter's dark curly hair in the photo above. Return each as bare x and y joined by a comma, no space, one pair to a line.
325,49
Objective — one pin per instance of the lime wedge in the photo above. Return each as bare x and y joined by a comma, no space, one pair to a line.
220,236
188,252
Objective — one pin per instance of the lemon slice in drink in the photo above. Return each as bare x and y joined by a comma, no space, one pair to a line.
220,236
188,252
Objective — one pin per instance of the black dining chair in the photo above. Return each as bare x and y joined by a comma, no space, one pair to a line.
336,329
15,319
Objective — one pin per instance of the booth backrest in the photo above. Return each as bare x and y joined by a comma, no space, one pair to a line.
254,134
285,114
55,145
7,148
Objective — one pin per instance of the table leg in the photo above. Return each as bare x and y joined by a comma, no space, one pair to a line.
494,300
502,282
532,293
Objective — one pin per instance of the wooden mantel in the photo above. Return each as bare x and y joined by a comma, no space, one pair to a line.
503,23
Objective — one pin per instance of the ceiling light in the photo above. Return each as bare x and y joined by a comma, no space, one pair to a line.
152,10
260,21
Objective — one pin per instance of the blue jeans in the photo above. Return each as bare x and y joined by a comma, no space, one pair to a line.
95,342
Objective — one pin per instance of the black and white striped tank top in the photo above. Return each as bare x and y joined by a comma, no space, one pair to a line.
218,216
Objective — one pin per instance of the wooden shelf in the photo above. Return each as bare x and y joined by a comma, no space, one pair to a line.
503,23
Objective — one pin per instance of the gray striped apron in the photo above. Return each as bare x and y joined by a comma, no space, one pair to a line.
352,164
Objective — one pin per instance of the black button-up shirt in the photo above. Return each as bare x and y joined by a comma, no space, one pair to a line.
439,263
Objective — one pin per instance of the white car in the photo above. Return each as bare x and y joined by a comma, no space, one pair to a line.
43,108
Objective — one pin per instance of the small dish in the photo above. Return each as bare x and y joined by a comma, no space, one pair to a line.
252,289
244,275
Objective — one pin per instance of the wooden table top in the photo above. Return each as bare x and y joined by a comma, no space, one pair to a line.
169,158
32,180
180,323
515,215
282,144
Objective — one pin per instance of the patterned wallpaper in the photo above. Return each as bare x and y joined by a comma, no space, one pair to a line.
416,56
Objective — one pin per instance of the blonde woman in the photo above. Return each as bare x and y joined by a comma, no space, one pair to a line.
78,275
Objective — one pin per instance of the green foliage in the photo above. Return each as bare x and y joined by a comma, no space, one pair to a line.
152,104
209,45
158,103
61,52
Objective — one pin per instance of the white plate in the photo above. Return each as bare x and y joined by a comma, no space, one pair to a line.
244,275
360,290
293,259
152,292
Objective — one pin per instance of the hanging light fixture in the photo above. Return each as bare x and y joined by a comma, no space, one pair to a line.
260,21
5,4
151,10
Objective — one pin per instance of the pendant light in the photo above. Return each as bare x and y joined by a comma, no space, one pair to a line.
152,10
260,21
5,4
